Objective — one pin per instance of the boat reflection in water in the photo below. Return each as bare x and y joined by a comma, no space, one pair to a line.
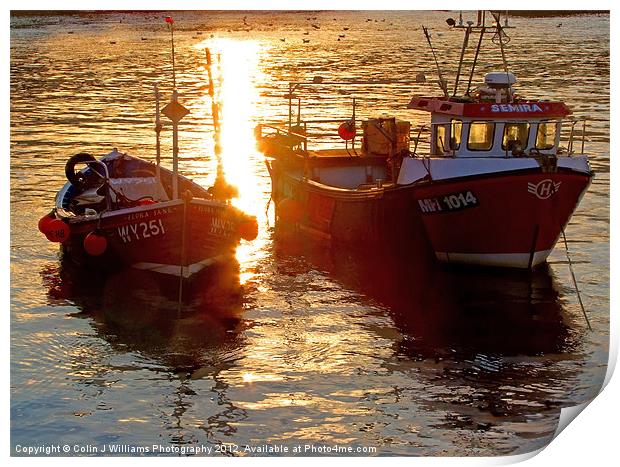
472,347
140,309
449,311
136,312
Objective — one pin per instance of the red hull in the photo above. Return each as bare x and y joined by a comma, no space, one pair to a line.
511,220
152,237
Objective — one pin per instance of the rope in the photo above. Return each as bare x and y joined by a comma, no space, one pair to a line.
570,266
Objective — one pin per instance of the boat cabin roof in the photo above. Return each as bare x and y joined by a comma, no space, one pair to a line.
491,110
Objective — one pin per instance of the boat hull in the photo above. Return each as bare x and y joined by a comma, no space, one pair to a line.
174,237
357,219
501,219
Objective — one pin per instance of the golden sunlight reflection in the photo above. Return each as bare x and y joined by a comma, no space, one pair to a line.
259,377
235,67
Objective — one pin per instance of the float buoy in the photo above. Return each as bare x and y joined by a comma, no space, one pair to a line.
248,229
347,130
95,244
290,210
146,201
44,222
57,231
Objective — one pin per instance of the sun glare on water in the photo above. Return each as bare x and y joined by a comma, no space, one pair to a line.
235,67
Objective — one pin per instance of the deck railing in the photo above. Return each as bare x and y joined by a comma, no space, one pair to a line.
572,138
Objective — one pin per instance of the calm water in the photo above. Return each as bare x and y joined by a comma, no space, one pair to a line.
294,344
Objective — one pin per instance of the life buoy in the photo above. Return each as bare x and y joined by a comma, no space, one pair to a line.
80,179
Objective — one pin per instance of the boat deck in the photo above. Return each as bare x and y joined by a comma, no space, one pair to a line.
333,153
340,157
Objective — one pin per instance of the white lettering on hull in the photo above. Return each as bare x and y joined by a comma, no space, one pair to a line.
516,108
132,232
221,226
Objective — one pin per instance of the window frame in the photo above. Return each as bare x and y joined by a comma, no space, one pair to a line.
492,140
527,139
453,123
440,150
555,134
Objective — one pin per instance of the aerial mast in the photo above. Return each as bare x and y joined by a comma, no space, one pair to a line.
175,112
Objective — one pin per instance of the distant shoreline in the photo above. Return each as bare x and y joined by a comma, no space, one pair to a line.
550,13
520,13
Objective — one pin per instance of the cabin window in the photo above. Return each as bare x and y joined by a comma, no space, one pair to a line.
515,134
455,134
480,136
440,139
545,136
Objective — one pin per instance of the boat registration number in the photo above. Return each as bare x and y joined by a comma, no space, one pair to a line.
141,230
449,202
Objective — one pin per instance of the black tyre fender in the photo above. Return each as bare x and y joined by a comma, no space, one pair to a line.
76,178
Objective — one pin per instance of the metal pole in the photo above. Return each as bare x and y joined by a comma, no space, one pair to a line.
458,73
583,136
354,125
570,138
183,259
473,66
175,153
290,109
499,29
158,128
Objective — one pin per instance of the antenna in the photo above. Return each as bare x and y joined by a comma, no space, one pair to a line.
170,22
500,38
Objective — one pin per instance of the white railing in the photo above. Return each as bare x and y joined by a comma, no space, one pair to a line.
572,135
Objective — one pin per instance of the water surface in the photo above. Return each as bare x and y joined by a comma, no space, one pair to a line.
294,344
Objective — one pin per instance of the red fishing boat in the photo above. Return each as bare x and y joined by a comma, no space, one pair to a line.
343,194
496,188
493,180
121,210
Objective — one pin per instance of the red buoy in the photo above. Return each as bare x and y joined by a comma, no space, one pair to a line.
248,229
347,130
44,222
57,231
290,210
95,244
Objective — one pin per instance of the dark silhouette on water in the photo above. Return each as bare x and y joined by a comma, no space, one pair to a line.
449,311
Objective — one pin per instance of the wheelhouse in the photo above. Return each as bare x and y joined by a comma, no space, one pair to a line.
493,122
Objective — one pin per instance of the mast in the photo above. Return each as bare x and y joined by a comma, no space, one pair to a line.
458,73
175,112
500,37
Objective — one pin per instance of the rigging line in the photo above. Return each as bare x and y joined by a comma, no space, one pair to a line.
572,272
443,84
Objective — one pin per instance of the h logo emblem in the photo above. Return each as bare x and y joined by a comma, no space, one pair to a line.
543,189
